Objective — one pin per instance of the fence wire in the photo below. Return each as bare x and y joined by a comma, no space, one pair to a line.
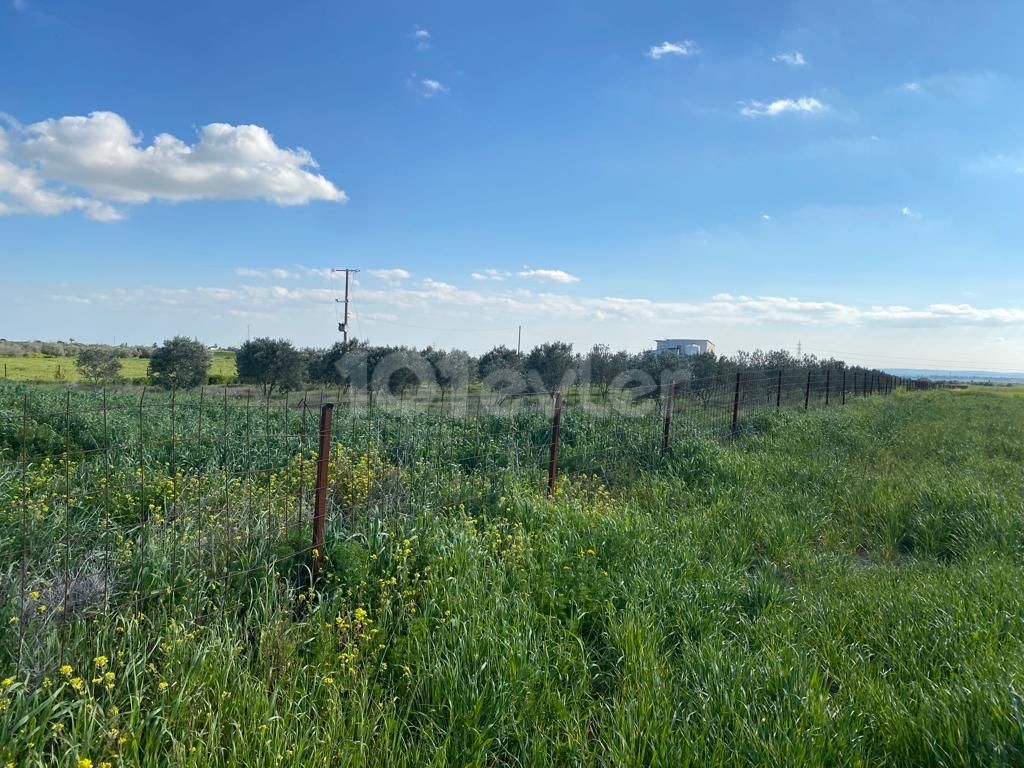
121,501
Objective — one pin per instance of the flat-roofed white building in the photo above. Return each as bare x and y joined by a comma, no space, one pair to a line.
685,347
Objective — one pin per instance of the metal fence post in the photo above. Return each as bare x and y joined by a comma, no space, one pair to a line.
828,385
736,404
322,477
778,391
670,399
807,390
556,429
844,386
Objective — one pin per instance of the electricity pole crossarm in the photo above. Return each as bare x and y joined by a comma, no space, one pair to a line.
343,325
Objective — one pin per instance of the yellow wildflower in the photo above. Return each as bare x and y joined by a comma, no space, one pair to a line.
66,670
84,762
101,662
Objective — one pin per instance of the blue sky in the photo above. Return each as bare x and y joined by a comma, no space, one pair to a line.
849,176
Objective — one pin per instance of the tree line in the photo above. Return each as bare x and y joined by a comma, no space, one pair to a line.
277,365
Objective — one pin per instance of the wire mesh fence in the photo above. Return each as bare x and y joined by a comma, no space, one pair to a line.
125,501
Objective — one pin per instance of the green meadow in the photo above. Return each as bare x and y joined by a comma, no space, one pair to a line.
840,587
38,368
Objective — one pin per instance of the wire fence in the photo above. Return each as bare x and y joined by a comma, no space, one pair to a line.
133,500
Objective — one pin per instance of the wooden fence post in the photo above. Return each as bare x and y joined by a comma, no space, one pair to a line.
778,391
556,429
736,404
844,386
669,401
323,459
828,385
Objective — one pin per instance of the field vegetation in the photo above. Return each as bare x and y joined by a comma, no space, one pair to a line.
835,587
43,368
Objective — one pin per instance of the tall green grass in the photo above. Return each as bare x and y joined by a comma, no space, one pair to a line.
841,587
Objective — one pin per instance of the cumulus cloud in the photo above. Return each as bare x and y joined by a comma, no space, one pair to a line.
790,58
549,275
390,274
680,48
89,162
803,105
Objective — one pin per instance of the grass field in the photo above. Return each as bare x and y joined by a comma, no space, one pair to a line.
42,369
840,587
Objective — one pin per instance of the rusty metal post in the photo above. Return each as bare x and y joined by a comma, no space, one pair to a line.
828,385
669,401
556,429
778,391
736,404
807,390
323,459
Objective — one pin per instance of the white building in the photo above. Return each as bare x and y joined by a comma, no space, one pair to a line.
685,346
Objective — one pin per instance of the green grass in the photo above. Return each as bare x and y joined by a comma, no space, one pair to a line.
42,369
841,587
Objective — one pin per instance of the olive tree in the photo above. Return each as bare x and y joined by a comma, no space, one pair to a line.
180,362
98,365
271,363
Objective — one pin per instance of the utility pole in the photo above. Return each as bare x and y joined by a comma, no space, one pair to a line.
519,341
343,325
799,350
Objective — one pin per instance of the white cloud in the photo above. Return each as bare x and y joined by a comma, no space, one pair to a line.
100,155
390,274
549,275
969,87
790,58
680,48
803,105
1005,162
421,37
723,309
910,212
766,217
430,87
490,274
279,274
70,299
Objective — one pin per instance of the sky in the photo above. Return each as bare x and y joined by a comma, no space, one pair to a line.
846,177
